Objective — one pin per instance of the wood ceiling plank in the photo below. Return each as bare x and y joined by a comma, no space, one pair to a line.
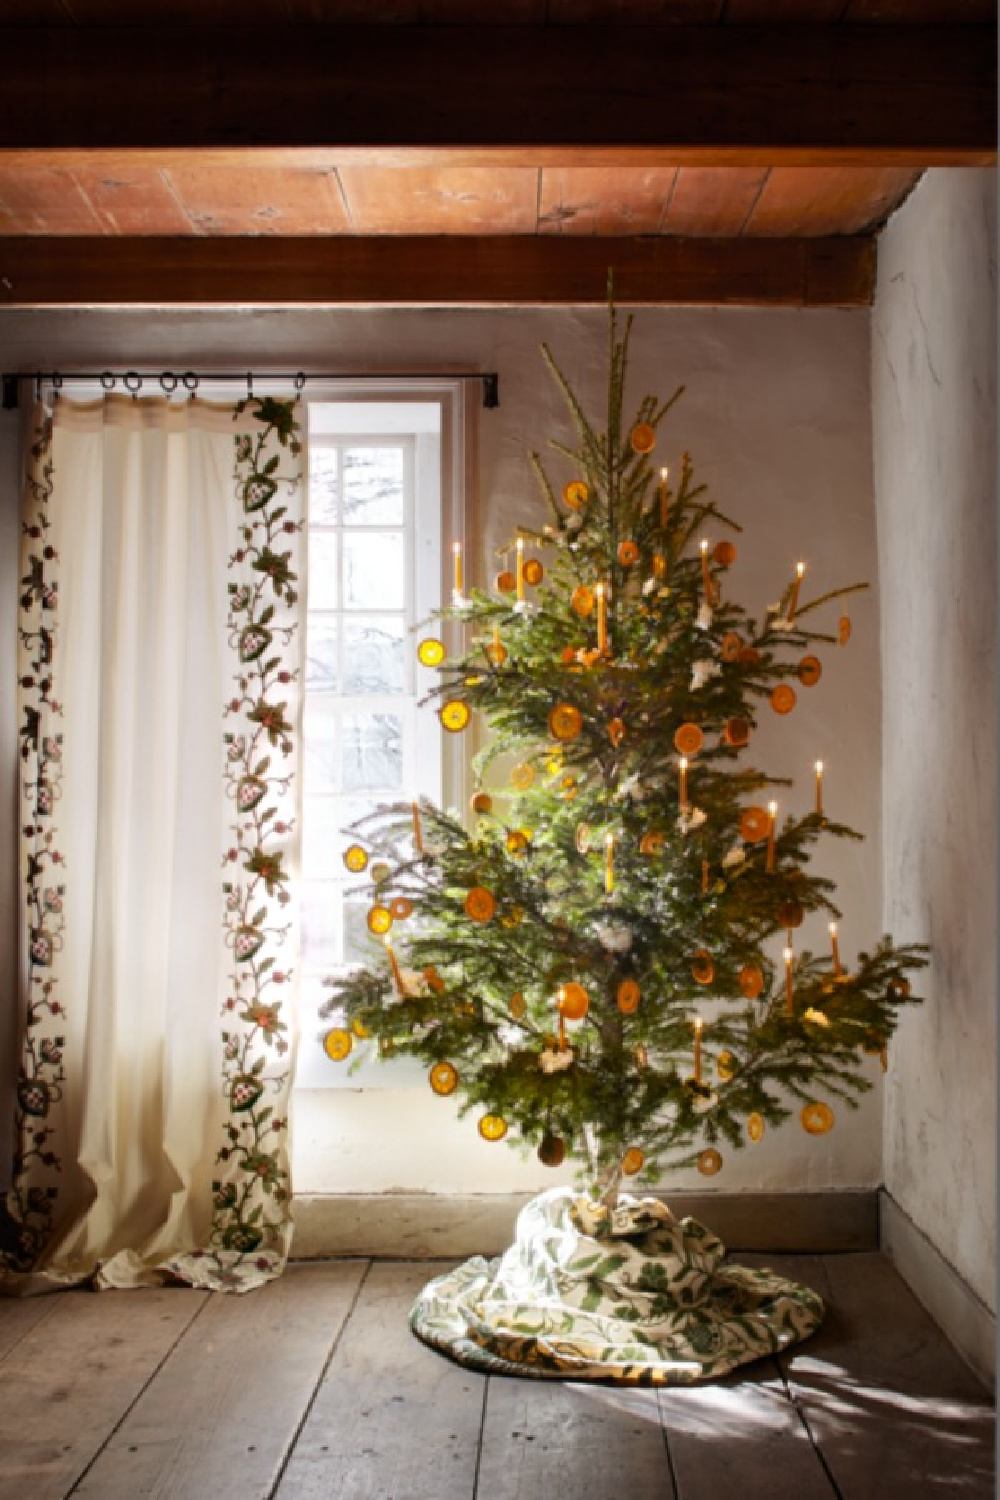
635,12
259,201
43,200
924,12
713,200
434,271
131,200
697,95
604,200
392,201
772,12
827,200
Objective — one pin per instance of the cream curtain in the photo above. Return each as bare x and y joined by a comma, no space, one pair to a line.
161,656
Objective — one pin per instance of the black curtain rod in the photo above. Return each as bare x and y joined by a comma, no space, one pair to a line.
170,381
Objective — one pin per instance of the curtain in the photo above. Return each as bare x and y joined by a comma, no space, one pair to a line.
160,669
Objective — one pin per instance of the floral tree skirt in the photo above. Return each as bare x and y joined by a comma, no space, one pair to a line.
631,1294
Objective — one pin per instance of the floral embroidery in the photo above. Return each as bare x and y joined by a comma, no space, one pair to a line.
251,1195
34,1188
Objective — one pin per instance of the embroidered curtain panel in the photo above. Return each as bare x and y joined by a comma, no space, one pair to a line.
160,666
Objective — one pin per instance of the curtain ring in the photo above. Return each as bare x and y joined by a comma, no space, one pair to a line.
57,381
132,381
189,380
168,382
108,381
299,381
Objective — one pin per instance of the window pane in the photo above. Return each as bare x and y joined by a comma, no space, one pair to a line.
321,919
373,570
372,752
374,656
319,738
323,487
373,487
359,945
322,675
321,821
351,809
322,570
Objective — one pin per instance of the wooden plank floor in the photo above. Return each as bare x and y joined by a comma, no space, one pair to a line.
314,1387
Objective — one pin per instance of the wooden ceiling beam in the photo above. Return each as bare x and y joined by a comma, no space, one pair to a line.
433,271
805,95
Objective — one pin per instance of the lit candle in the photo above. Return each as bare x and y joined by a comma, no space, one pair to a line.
602,619
457,549
819,788
772,812
520,567
698,1028
793,603
418,838
789,994
706,576
664,498
837,971
562,1019
609,863
683,782
394,965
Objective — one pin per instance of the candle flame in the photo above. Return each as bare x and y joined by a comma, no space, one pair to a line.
520,544
599,590
609,840
699,1026
684,762
456,547
663,474
819,768
833,929
772,808
704,544
800,570
789,955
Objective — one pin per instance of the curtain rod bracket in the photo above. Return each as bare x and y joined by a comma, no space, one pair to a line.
491,390
9,400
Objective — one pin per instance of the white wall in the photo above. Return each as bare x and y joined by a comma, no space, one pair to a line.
777,419
934,397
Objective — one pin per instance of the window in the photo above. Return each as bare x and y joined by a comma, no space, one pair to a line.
379,513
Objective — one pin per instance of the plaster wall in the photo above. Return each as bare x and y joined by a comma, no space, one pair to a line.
934,405
777,419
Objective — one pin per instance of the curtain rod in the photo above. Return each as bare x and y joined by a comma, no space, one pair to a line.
189,380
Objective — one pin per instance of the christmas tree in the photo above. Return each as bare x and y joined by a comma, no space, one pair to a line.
601,957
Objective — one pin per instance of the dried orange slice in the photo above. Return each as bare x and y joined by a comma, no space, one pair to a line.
582,599
443,1078
627,997
652,843
755,1127
628,553
533,571
688,740
844,629
783,699
755,824
338,1044
400,908
702,967
729,650
492,1128
505,582
574,1002
575,494
565,721
750,980
480,904
454,715
736,733
709,1162
749,656
632,1161
522,776
551,1150
569,786
379,920
517,841
726,1065
724,554
496,652
356,859
616,732
482,802
430,653
816,1119
810,671
643,438
434,980
517,1006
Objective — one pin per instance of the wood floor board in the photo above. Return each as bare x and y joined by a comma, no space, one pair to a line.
890,1405
590,1442
221,1415
391,1418
72,1379
19,1315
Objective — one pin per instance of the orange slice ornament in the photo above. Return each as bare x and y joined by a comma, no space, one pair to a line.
709,1162
574,1001
454,715
338,1044
730,646
533,571
582,599
482,803
443,1078
783,699
755,824
356,859
724,554
628,553
575,494
652,843
480,904
379,920
643,438
400,907
688,740
565,722
703,967
810,671
551,1150
751,981
627,997
492,1128
816,1118
755,1127
517,1006
844,629
736,733
430,653
505,582
632,1162
726,1065
522,776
